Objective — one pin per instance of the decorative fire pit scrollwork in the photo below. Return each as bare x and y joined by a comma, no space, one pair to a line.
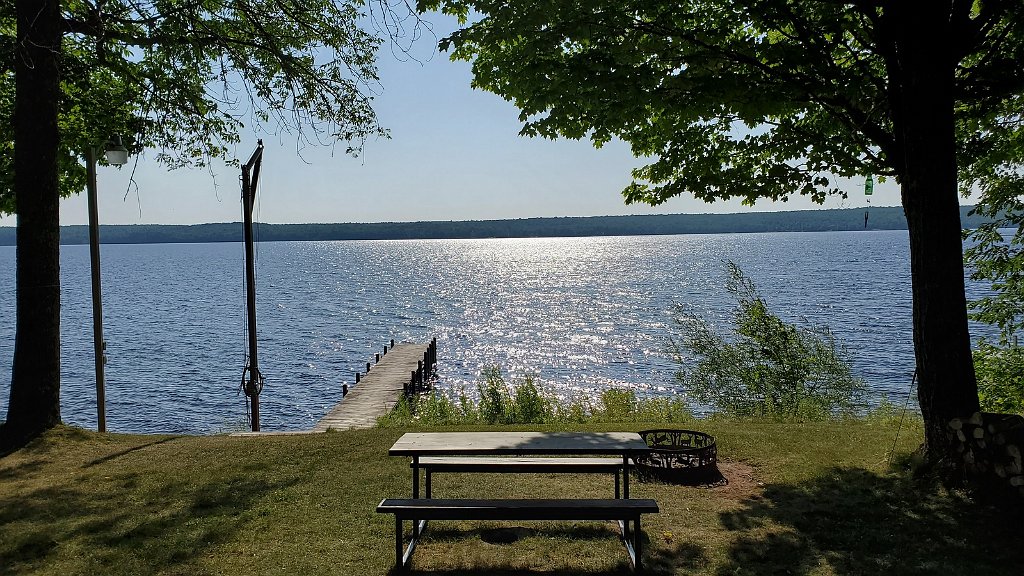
679,456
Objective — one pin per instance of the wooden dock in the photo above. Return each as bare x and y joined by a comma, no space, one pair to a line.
379,389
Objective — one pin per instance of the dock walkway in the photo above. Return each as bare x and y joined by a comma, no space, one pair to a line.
377,392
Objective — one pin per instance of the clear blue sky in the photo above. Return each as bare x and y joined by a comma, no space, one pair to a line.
454,154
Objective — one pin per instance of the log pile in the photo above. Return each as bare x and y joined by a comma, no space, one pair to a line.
990,445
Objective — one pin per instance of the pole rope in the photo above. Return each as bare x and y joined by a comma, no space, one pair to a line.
899,428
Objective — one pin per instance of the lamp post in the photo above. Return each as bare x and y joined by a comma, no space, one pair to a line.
116,155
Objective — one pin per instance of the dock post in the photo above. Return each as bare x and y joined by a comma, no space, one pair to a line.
357,377
367,367
392,342
344,390
376,358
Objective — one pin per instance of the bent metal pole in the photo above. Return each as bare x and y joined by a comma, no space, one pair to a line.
252,379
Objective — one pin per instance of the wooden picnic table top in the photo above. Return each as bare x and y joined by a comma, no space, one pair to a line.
517,443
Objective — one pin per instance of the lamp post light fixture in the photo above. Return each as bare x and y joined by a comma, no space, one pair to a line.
116,155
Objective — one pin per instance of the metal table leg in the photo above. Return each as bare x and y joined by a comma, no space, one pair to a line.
416,528
415,476
399,561
625,476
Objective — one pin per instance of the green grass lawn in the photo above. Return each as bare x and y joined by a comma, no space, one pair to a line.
803,499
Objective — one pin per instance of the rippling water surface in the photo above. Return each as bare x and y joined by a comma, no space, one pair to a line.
583,314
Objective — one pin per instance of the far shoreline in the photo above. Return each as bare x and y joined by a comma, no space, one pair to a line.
829,220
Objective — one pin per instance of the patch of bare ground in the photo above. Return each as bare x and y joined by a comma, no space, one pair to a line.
739,482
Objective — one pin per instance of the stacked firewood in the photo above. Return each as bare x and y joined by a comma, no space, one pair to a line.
990,445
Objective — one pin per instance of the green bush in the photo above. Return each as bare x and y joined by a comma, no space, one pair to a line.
767,367
1000,374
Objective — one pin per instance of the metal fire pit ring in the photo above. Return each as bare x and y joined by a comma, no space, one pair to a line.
679,456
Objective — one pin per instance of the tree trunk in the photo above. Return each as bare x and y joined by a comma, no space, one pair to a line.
35,379
923,118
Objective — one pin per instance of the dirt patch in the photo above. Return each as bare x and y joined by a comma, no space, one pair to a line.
740,481
504,535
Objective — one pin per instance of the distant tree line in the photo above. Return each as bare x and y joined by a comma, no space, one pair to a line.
880,218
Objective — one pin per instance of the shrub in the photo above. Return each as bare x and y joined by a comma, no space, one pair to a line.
768,367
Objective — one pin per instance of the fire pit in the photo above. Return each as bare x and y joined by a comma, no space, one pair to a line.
679,456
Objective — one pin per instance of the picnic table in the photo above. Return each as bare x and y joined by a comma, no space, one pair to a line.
502,452
418,444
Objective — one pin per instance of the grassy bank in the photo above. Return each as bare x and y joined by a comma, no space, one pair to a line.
803,499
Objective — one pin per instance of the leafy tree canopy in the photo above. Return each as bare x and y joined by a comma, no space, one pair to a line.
184,76
1000,371
741,98
999,259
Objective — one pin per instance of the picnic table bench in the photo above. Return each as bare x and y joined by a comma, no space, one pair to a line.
423,509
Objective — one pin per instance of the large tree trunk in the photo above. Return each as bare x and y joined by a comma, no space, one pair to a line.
925,130
35,380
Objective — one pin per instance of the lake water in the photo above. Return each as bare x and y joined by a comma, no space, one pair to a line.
582,314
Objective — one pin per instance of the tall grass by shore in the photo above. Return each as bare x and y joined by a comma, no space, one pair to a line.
498,401
520,401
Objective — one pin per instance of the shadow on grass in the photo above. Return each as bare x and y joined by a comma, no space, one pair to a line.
491,571
22,470
661,561
127,451
35,455
858,522
506,535
130,524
